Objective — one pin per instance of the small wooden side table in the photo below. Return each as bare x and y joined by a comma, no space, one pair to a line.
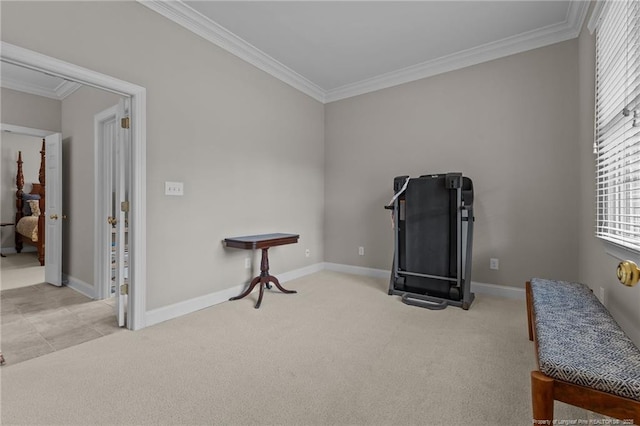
264,242
3,224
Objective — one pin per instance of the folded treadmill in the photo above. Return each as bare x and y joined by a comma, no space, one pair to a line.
433,236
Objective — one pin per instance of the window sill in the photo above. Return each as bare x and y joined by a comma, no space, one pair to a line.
621,253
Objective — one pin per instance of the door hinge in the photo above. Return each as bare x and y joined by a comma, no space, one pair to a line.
124,206
124,123
124,289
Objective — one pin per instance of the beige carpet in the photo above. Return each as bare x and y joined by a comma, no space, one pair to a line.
341,351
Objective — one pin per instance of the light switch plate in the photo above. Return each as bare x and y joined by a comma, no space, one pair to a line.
173,188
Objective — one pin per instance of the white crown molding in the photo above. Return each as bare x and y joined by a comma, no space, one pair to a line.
199,24
596,15
541,37
66,88
32,89
576,15
28,131
36,61
59,93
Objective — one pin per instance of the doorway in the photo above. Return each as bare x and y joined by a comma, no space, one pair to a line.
24,270
39,318
112,146
38,215
137,212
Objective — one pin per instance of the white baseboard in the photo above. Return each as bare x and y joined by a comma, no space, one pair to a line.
357,270
165,313
156,316
301,272
476,287
498,290
12,250
79,286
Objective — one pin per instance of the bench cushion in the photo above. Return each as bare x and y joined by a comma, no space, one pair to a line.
579,341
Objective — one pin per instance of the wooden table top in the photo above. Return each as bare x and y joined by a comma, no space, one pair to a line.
261,241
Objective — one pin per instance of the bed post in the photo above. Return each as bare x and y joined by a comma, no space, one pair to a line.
41,218
19,179
41,179
41,172
19,192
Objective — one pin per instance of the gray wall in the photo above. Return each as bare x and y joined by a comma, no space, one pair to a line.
596,267
26,110
248,147
251,152
78,111
509,124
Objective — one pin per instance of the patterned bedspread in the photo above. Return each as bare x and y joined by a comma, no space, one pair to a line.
580,342
28,226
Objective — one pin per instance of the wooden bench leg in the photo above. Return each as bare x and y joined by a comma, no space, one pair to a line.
542,398
529,309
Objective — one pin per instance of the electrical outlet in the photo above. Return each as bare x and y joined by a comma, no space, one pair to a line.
173,188
360,251
307,253
247,263
494,263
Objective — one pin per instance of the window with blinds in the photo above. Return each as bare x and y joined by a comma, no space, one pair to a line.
617,144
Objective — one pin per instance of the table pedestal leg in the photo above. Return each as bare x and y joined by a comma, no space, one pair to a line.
264,279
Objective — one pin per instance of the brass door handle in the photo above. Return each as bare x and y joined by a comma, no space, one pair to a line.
628,273
112,220
53,217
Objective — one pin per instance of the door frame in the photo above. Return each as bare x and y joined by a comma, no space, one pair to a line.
137,224
101,273
26,131
43,134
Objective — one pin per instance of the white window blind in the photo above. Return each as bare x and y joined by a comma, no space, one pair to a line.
617,144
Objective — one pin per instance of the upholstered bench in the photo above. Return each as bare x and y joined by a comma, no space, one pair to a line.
584,358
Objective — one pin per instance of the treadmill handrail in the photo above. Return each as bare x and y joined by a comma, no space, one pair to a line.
418,274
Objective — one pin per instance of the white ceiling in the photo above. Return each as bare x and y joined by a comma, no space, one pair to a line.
332,50
336,49
334,44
